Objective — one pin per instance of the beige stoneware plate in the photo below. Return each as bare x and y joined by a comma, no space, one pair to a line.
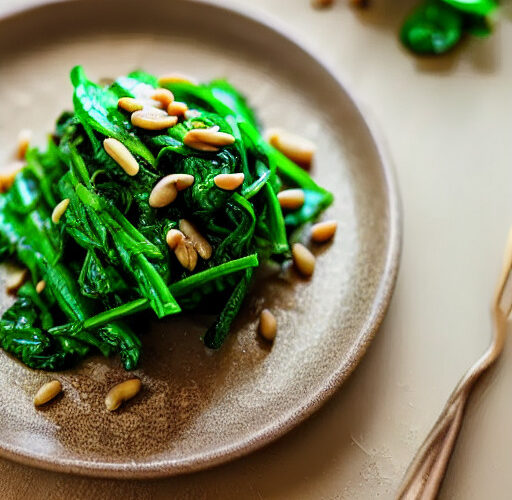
199,408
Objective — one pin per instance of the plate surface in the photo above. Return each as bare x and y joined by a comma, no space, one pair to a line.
199,408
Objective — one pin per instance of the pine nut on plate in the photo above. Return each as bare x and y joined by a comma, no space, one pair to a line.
229,182
294,147
130,104
47,392
291,199
303,259
323,231
268,325
166,189
210,136
204,249
153,119
8,175
24,138
177,108
122,392
173,238
59,210
41,285
165,96
170,78
121,155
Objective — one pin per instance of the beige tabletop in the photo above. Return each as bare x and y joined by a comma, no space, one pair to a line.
448,123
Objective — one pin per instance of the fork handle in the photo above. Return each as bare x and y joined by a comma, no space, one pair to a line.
427,470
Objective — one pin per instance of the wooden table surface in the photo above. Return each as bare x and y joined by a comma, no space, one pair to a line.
448,123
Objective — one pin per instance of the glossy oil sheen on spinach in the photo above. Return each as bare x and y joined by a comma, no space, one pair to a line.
107,259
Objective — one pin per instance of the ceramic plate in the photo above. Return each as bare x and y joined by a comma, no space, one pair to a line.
198,407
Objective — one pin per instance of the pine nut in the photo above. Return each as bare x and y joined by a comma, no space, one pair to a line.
8,175
210,136
177,108
24,138
15,279
303,259
291,199
175,78
204,249
186,254
164,96
166,189
59,210
229,182
268,325
41,285
143,93
201,146
173,238
296,148
153,119
323,231
122,392
130,104
121,155
47,392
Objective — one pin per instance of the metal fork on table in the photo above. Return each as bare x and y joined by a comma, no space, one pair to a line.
426,472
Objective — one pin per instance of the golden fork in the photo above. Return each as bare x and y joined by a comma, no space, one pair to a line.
426,472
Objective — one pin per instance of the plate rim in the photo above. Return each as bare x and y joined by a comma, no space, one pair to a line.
313,401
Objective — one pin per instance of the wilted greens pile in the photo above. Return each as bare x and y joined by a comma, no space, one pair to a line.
107,258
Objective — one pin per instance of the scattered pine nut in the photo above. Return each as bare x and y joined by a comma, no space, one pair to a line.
268,325
229,182
294,147
210,136
47,392
186,254
175,78
24,138
323,231
8,175
303,259
165,96
291,199
203,248
122,392
41,285
153,119
121,155
130,104
166,189
173,238
59,210
16,277
201,146
177,108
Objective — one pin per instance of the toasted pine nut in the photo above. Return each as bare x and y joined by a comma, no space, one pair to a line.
165,96
122,392
210,136
201,146
15,279
173,238
175,78
204,249
291,199
47,392
323,231
41,285
296,148
176,108
8,174
229,182
121,155
59,210
166,189
268,325
153,119
186,254
130,104
303,259
24,138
